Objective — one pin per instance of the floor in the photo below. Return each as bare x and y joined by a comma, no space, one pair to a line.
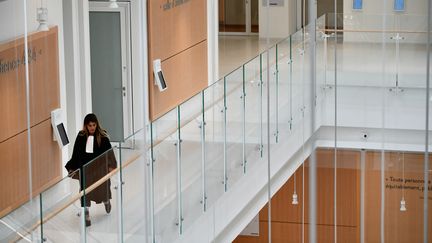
234,51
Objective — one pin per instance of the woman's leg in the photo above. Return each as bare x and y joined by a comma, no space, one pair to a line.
87,212
87,217
107,206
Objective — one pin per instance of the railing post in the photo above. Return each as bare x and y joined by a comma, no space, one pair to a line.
151,181
225,177
261,108
290,63
243,97
277,96
179,185
203,154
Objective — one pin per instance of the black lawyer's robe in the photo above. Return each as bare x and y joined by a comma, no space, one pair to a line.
100,160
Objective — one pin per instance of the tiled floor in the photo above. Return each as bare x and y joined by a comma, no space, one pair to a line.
234,51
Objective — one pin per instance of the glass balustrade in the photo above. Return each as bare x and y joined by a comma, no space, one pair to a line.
161,180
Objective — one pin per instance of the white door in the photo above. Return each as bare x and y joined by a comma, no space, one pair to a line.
111,67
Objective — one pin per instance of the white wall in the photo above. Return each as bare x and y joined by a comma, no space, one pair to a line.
417,7
282,20
139,64
277,22
371,18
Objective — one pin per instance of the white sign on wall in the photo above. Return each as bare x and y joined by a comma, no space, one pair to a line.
274,3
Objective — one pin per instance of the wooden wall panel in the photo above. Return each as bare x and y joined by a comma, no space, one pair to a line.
221,9
46,166
286,217
186,75
43,78
348,188
44,97
176,29
177,36
283,232
46,159
12,90
44,75
396,223
14,173
399,227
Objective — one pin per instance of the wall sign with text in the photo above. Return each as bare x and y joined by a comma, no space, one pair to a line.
273,3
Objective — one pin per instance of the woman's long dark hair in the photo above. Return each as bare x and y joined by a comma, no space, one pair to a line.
99,132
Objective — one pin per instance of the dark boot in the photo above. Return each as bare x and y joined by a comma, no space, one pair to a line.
107,206
87,218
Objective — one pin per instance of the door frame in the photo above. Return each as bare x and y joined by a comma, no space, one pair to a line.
126,56
248,20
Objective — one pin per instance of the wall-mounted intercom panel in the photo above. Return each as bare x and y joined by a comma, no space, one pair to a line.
57,122
158,75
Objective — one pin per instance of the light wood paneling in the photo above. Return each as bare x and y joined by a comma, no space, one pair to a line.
14,186
46,166
44,97
283,232
347,194
44,76
12,90
185,75
287,217
221,10
43,79
177,29
46,162
399,227
177,36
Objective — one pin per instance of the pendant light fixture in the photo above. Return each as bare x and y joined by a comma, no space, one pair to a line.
42,17
402,202
294,196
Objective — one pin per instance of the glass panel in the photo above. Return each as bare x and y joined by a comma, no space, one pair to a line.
410,40
102,191
43,51
253,111
427,168
164,140
21,127
135,220
191,160
234,126
22,224
284,88
408,43
62,212
274,94
214,141
322,39
297,86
